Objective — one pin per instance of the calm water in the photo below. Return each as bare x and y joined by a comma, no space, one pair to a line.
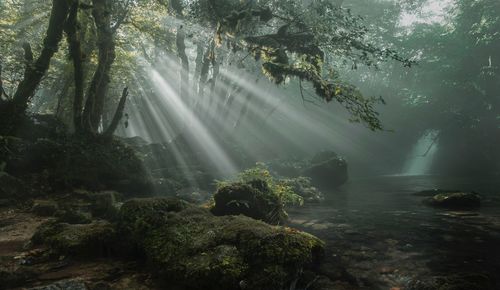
385,237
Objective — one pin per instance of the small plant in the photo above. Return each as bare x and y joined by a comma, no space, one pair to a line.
279,187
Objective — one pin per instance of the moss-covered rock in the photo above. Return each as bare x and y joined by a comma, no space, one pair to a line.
253,199
327,169
88,162
45,207
81,240
303,187
454,200
193,248
433,192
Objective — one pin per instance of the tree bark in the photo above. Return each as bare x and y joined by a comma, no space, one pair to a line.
205,66
75,51
2,90
37,70
96,93
198,64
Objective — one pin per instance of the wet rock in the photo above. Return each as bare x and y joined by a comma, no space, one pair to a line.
93,239
253,199
454,200
433,192
463,281
327,169
73,284
197,250
45,208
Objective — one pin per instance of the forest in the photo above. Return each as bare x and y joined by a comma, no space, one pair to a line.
250,144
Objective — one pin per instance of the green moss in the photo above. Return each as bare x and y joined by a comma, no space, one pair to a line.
190,246
76,239
254,199
455,200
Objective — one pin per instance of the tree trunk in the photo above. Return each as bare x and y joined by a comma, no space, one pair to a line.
75,52
12,111
197,69
204,71
37,70
2,90
181,51
96,93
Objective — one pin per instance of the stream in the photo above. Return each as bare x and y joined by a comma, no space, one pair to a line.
386,238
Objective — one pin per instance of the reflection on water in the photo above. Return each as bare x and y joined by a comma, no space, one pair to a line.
386,238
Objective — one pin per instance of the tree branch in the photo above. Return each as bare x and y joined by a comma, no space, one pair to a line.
118,115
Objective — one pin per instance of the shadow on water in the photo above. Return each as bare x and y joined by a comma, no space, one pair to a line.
386,237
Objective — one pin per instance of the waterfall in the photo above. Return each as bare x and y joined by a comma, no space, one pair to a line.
420,160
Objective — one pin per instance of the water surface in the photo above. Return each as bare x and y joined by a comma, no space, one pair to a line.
386,237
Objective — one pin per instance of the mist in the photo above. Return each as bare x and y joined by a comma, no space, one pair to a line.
257,144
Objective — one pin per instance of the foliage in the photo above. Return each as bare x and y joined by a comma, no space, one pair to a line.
279,187
293,39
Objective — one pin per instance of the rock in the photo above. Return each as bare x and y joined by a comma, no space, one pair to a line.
197,250
432,192
253,199
13,276
461,281
303,187
45,208
105,203
327,170
93,239
324,283
73,284
454,200
194,195
74,216
289,167
89,163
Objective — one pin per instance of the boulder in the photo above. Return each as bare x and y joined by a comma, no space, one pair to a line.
81,240
253,199
327,170
454,200
45,208
89,163
194,249
433,192
303,187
